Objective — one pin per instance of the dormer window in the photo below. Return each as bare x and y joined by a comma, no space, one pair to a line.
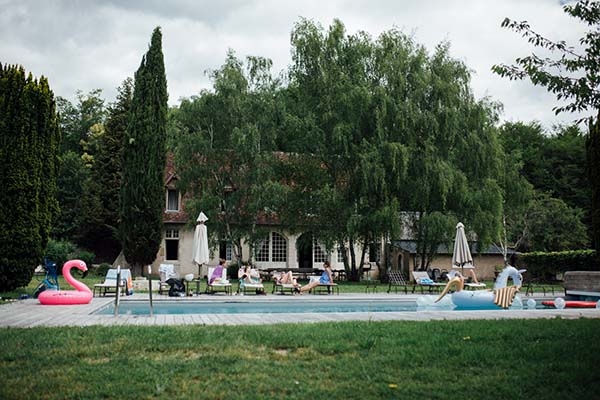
172,200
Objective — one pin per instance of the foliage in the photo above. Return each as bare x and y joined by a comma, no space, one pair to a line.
99,221
144,158
549,224
366,128
571,76
395,128
552,215
72,181
29,140
228,135
353,360
593,166
60,251
76,121
545,265
102,269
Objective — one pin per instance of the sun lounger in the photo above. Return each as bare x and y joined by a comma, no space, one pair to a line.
221,286
397,280
423,280
321,287
281,288
110,282
256,287
165,272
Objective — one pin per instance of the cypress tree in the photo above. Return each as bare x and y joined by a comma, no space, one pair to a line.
144,156
29,140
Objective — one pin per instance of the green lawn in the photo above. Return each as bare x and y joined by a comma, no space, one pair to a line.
545,359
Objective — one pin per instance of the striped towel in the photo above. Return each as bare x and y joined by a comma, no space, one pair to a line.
504,297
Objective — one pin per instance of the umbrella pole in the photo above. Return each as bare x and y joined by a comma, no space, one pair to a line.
150,289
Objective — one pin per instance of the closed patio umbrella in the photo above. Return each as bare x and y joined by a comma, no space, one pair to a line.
200,244
461,258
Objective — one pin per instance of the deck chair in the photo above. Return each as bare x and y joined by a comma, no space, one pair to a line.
221,286
110,283
423,280
166,272
256,286
397,280
321,287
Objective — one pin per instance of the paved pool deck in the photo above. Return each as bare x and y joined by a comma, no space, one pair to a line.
29,313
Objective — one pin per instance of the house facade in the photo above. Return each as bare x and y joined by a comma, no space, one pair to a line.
280,248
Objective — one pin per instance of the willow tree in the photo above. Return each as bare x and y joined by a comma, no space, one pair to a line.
338,101
144,155
29,140
396,129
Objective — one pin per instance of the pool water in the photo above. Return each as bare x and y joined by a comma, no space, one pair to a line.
262,307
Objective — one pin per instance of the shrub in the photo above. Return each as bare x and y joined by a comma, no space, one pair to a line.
60,251
102,269
547,265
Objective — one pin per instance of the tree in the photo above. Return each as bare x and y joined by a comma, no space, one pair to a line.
229,135
593,159
573,76
77,120
99,221
144,155
395,128
72,180
553,163
29,140
77,149
549,224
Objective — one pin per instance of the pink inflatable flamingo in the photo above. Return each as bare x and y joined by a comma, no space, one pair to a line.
83,294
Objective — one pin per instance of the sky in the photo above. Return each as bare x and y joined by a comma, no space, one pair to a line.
82,45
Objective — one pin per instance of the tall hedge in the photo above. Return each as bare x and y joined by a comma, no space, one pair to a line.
547,265
144,157
29,140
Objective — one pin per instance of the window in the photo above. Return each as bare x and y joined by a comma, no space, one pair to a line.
226,251
172,200
171,244
319,254
272,249
374,252
340,254
279,248
262,250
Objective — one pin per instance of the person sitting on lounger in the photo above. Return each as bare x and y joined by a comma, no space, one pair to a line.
217,275
249,274
325,279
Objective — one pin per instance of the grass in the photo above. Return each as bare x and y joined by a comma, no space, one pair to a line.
549,359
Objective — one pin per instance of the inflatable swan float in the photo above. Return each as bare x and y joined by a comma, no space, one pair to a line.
502,296
83,294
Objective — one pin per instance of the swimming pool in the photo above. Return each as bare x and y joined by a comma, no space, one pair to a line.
291,306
